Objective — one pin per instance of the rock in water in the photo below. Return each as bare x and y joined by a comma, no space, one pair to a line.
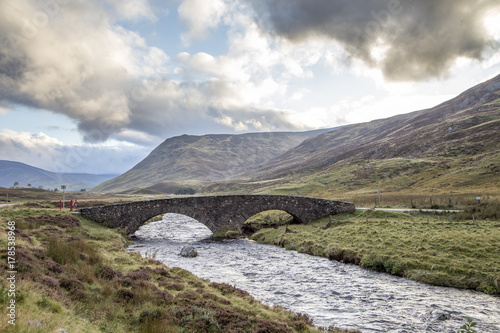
436,315
188,251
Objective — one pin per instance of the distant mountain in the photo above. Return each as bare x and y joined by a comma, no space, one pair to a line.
453,146
24,174
189,158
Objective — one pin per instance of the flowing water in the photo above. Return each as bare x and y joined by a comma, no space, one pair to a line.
330,292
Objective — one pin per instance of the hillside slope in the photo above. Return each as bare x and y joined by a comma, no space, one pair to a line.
453,146
24,174
189,158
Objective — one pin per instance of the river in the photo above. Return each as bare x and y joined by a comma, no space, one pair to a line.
330,292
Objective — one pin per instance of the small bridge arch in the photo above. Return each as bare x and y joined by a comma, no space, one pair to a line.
218,213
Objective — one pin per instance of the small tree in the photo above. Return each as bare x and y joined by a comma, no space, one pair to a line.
56,189
29,185
16,183
468,327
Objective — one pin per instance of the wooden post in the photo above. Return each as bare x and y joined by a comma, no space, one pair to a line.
385,217
347,217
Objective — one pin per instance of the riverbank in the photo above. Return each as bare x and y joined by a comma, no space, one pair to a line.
424,247
73,275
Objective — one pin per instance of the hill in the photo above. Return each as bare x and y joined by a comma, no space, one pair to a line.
451,147
24,174
207,158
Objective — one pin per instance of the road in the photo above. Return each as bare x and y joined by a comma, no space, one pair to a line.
414,210
2,205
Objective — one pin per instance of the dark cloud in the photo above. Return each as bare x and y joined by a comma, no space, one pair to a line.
422,38
74,60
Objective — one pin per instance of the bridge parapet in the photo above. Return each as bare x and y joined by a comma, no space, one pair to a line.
218,213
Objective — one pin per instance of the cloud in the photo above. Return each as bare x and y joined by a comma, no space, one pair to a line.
73,58
50,154
72,61
200,16
134,10
254,120
407,40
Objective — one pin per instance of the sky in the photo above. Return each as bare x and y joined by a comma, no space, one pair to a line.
95,85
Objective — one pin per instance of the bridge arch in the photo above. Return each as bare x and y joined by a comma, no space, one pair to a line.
218,213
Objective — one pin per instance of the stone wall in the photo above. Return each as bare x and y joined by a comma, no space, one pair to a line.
218,213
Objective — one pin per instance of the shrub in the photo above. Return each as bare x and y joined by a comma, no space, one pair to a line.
467,327
196,319
125,294
139,275
108,273
150,315
70,284
383,265
53,266
48,281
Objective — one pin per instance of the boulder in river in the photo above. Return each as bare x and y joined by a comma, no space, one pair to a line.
437,315
188,251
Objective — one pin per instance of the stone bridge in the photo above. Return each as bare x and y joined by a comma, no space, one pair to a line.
218,213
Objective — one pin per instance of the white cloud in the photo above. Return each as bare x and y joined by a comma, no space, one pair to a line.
137,137
48,153
134,9
200,16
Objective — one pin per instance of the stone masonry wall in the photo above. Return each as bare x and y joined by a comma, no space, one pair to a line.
218,213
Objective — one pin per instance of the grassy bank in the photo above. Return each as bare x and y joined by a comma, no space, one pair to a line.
424,247
75,275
